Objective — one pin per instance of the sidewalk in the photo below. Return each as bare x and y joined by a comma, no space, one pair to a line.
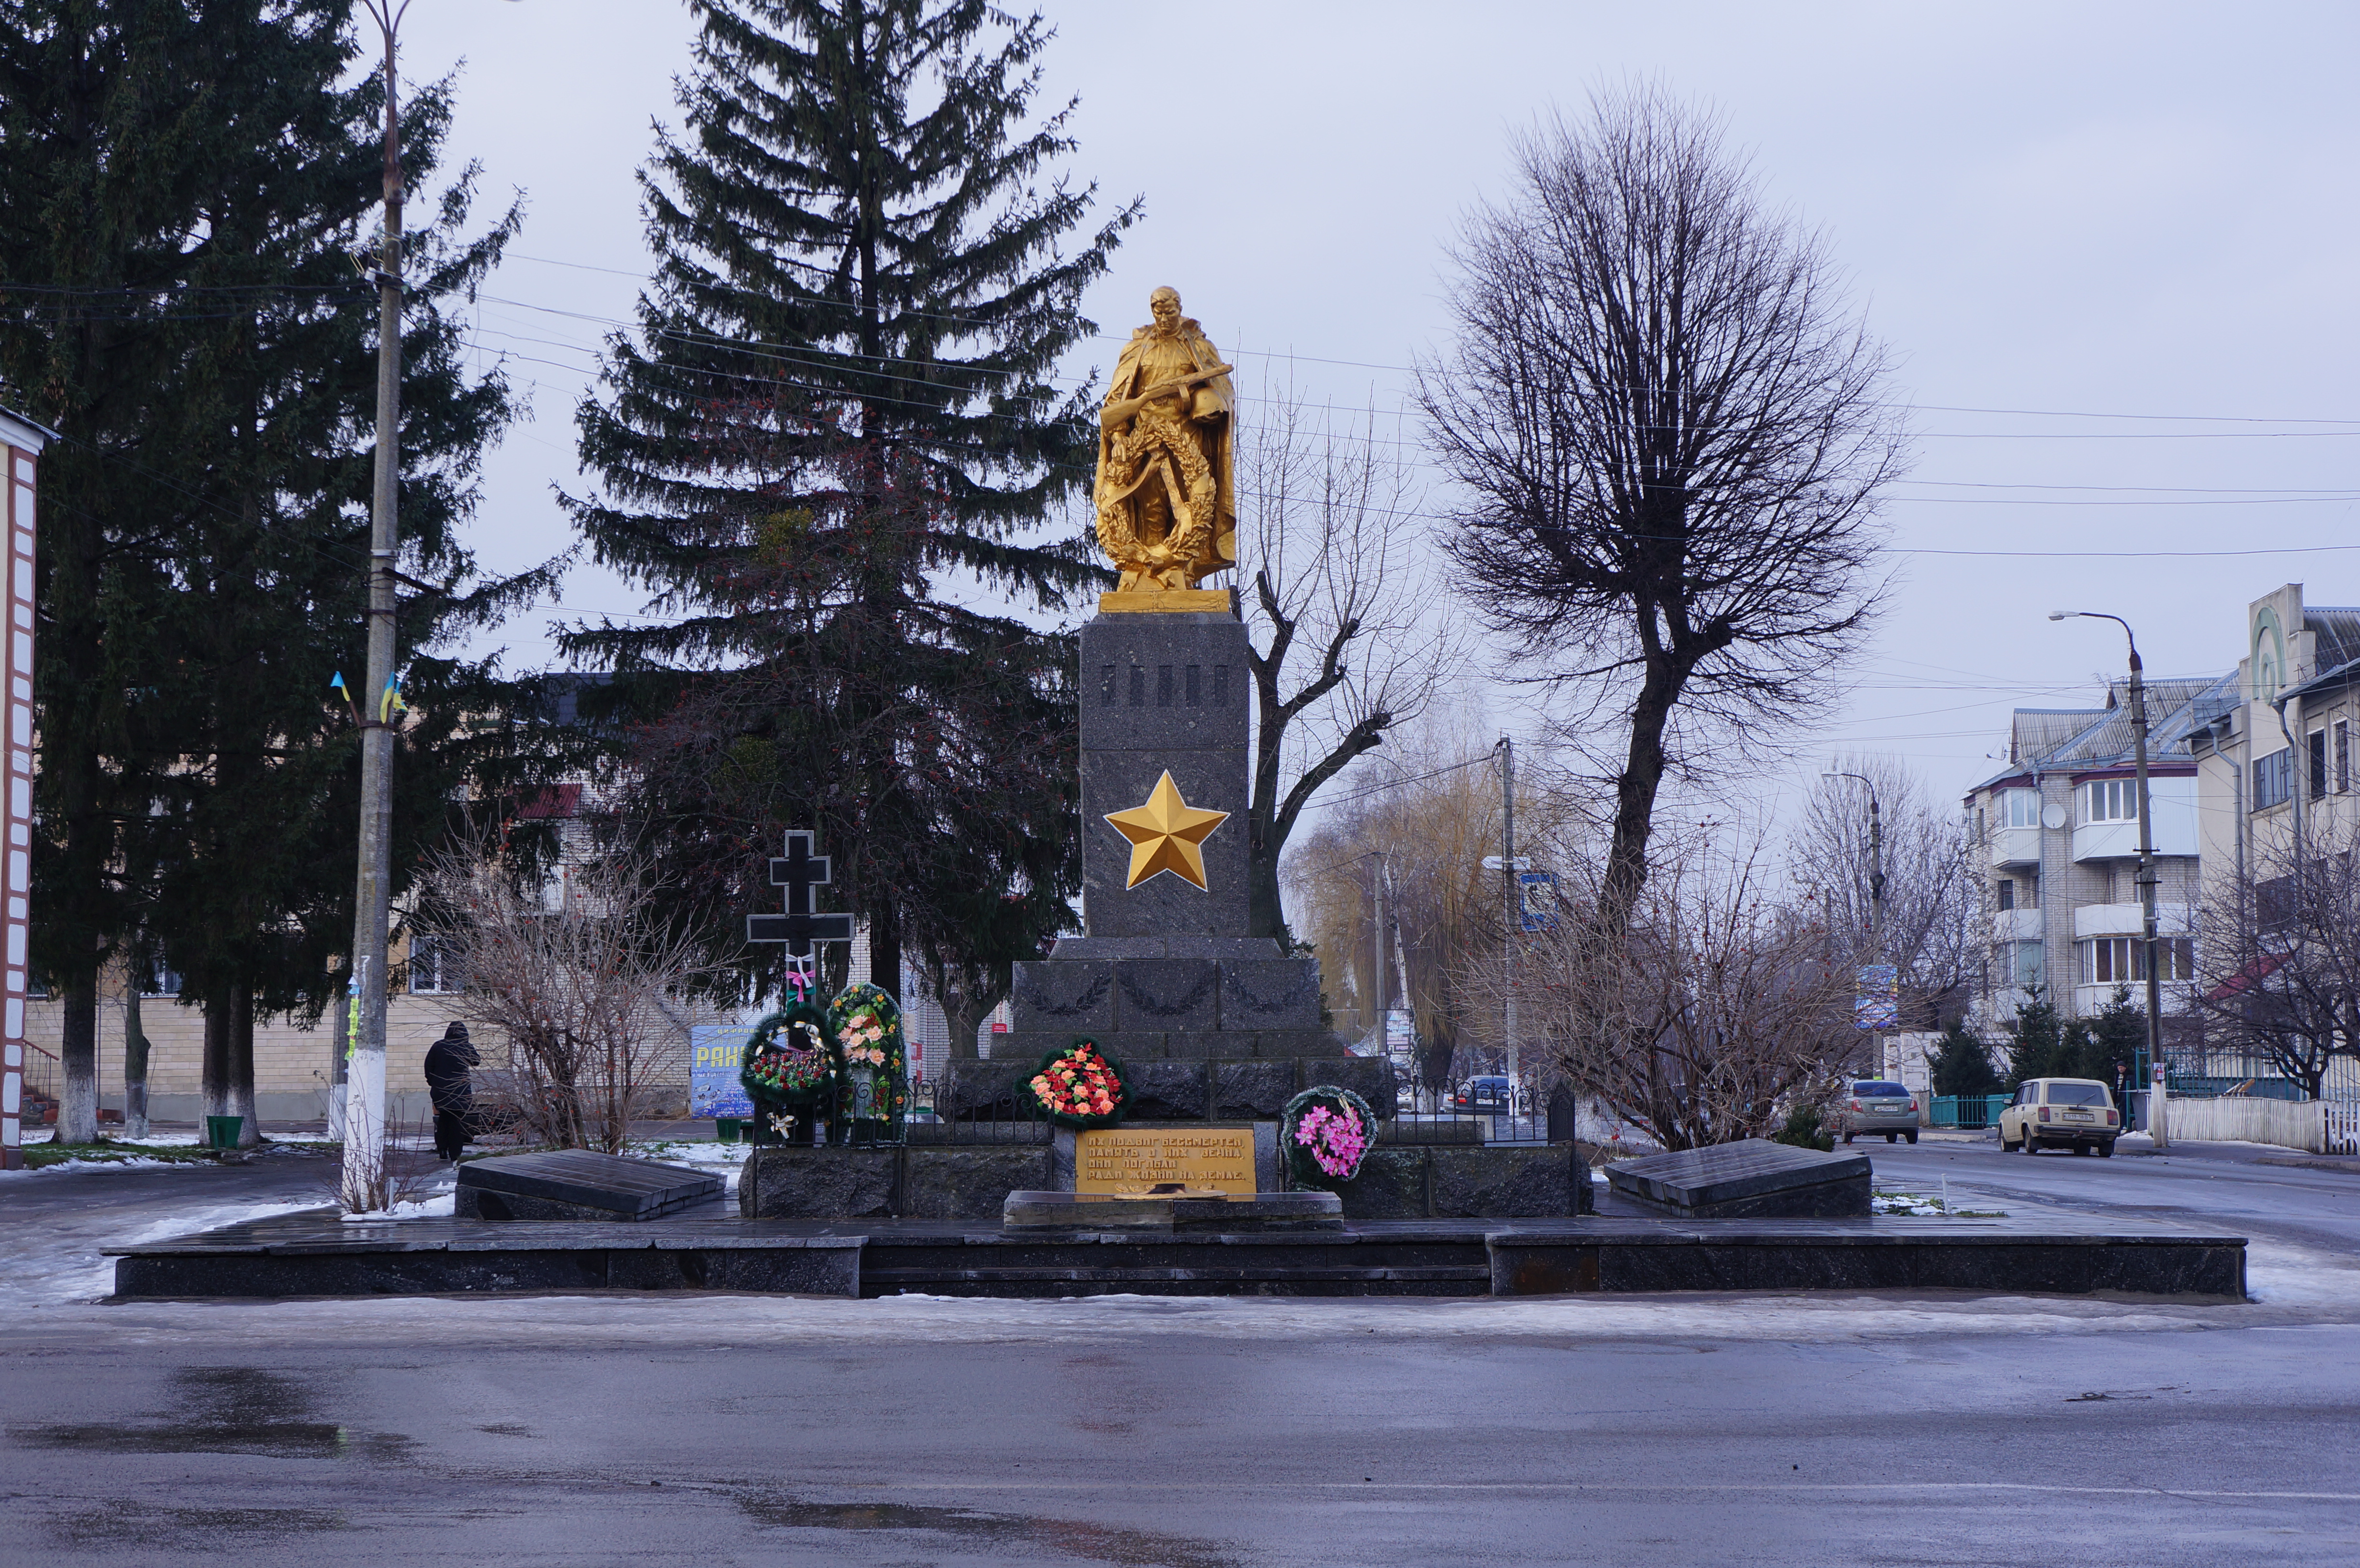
2140,1145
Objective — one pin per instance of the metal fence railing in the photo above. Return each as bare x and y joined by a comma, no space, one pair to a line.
1966,1113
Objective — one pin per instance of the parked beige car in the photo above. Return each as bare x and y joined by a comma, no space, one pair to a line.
2060,1113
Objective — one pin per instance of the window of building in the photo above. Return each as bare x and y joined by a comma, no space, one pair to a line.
2273,779
2122,960
2006,893
2025,964
2343,756
2274,903
2020,808
162,982
2318,763
2110,801
432,969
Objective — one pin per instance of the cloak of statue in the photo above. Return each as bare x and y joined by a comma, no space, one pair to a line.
1140,501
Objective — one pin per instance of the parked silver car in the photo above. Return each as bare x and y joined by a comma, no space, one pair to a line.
1878,1104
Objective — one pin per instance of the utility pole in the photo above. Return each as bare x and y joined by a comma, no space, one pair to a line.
1515,915
2148,878
1875,900
364,1186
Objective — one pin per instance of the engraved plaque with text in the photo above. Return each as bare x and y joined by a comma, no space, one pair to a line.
1131,1159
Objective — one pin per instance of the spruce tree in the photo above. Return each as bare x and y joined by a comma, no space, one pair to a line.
837,419
1962,1065
216,404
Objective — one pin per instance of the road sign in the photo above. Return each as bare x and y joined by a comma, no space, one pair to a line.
1537,899
1495,863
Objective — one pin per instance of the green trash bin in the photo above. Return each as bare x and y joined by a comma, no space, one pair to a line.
724,1129
222,1132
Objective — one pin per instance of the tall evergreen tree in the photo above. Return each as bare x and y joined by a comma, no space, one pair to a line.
216,401
840,403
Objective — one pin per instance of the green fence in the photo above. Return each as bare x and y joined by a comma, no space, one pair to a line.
1968,1113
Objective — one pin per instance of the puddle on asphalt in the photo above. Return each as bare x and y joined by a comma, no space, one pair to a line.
227,1409
1069,1538
137,1524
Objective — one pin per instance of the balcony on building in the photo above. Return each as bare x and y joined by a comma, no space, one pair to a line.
2106,817
2014,846
2015,925
2129,920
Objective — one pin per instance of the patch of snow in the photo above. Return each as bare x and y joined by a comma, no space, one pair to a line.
77,1273
130,1162
2280,1275
414,1209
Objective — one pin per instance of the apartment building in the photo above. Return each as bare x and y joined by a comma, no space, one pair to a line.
2280,751
2054,835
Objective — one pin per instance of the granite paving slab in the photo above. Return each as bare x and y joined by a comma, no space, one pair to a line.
577,1184
1751,1178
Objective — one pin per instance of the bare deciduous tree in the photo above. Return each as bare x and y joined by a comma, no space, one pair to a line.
2278,966
1671,439
1706,1016
1425,831
1343,649
576,971
1932,899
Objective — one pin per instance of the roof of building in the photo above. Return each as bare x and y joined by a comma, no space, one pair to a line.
2084,739
2337,661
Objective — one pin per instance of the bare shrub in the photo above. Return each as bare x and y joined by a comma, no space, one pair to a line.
1705,1018
573,970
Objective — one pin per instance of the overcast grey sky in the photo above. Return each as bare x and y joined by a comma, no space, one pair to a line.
2111,248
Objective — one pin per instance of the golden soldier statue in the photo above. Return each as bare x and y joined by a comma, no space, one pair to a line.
1167,474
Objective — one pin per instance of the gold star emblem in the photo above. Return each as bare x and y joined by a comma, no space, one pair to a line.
1164,833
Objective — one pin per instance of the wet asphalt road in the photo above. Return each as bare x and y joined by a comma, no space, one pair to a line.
2268,1195
1877,1429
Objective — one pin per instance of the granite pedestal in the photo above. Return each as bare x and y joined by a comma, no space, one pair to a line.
1211,1022
1752,1179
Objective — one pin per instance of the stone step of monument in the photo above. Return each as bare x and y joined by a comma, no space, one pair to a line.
577,1184
1279,1263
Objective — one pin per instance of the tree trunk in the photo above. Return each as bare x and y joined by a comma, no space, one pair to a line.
134,1059
214,1075
1635,795
885,949
241,1067
78,1054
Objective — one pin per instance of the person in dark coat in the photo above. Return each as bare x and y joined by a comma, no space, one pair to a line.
447,1061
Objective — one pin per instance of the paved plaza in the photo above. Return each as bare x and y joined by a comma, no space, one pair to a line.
1870,1427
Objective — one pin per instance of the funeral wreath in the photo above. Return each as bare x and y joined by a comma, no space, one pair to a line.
1325,1132
1079,1086
790,1063
867,1023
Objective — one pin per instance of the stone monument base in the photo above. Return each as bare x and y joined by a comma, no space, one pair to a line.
1230,1212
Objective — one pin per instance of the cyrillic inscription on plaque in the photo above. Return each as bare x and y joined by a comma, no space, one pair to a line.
1131,1159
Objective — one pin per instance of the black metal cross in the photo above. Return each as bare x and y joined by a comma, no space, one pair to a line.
799,872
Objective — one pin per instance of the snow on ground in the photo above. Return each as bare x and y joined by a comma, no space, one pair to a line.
126,1161
73,1271
720,1323
697,1155
2279,1274
410,1209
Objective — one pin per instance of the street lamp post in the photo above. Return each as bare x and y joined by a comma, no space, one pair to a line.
1875,889
2146,875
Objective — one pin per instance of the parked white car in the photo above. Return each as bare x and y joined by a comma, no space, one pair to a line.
2060,1113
